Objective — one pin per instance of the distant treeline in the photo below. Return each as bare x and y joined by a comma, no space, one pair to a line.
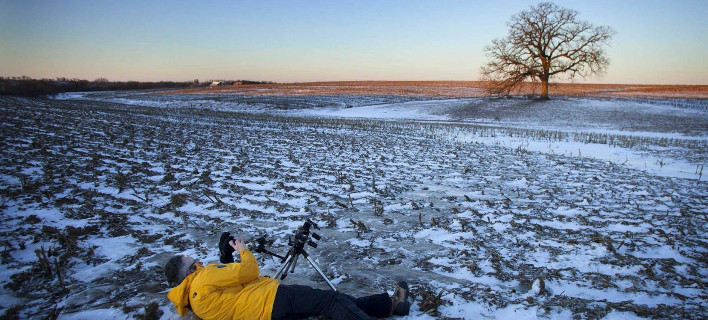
26,86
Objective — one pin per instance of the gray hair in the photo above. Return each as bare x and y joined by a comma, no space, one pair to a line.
176,270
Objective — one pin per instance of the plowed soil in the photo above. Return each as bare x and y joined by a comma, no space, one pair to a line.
455,89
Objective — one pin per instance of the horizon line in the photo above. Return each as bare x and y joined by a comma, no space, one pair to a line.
344,81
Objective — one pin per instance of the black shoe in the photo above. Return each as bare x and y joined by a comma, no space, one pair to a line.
226,252
402,306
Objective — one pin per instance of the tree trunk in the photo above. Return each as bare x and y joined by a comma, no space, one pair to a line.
544,89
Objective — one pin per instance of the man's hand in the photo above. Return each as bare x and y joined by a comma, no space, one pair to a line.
238,245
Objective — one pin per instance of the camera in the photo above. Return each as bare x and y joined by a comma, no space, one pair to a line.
303,235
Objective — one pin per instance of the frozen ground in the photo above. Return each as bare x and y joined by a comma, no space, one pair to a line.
476,202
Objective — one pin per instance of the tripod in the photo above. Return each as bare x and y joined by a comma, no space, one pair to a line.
297,248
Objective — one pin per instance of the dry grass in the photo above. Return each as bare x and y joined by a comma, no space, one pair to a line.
455,89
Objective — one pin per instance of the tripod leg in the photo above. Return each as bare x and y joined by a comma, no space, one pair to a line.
312,263
286,264
293,262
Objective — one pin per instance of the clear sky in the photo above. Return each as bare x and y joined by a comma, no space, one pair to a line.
657,41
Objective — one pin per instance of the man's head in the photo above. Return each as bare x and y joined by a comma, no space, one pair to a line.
179,267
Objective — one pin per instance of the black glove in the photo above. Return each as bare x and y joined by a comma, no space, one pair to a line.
226,252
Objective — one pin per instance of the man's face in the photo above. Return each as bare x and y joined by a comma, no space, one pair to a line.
192,263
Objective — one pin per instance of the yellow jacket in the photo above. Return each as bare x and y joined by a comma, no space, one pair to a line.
226,291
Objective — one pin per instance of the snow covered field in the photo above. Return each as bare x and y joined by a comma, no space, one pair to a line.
507,209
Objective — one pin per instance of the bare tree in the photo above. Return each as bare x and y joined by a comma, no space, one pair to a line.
544,42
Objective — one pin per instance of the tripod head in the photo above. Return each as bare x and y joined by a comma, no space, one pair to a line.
303,236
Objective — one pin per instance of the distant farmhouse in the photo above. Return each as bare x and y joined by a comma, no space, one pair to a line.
225,83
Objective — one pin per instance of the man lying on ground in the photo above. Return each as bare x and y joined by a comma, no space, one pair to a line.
237,291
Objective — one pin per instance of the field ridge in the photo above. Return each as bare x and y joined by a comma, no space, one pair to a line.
454,89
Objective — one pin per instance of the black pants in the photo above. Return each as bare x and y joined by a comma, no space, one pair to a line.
297,302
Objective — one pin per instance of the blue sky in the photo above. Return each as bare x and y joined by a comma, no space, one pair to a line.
657,41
